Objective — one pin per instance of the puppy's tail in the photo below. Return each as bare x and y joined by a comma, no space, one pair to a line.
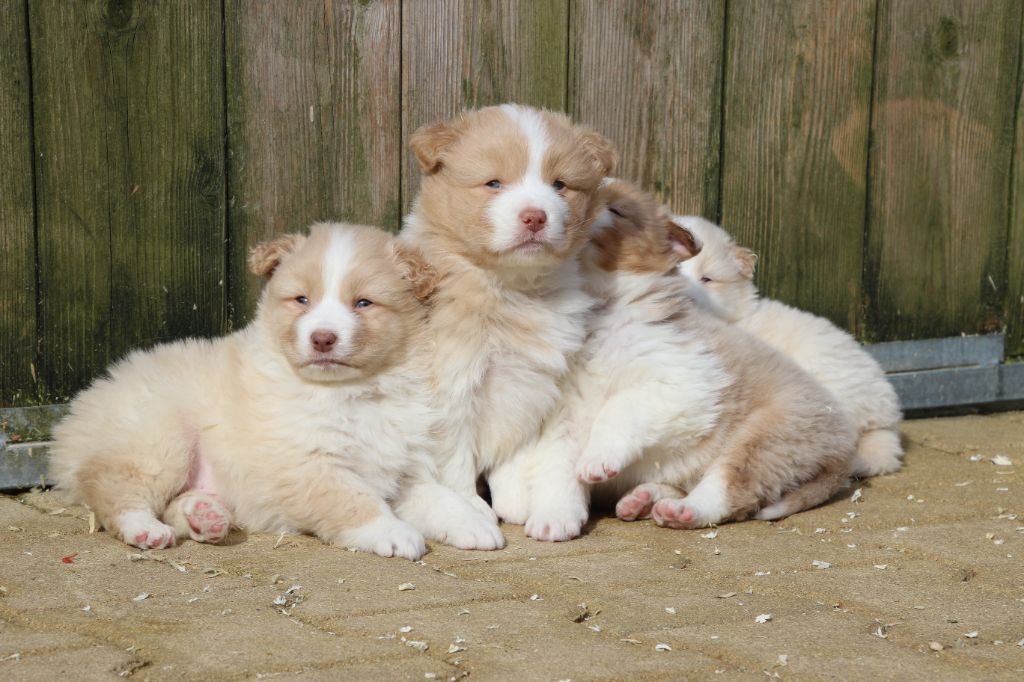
878,452
812,493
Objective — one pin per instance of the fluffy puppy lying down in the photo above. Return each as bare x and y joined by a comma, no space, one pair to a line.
666,398
507,196
314,418
724,272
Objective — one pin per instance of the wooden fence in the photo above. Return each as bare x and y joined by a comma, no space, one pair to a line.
870,150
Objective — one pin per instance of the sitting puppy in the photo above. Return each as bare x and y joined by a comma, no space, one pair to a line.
665,397
314,418
507,196
725,272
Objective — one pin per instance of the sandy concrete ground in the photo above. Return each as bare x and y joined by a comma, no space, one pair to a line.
926,559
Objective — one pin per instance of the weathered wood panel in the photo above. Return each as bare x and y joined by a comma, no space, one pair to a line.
796,101
471,53
130,178
1015,236
17,239
942,136
314,118
648,76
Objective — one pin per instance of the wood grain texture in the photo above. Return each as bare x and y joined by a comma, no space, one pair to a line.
17,214
794,167
314,117
472,53
648,76
942,131
1015,234
129,137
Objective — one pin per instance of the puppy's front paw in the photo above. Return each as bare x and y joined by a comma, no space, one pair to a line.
556,526
480,504
595,469
386,536
143,530
473,531
511,509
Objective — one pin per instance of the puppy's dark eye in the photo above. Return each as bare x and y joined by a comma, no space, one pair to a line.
616,211
558,185
705,280
364,303
494,184
302,300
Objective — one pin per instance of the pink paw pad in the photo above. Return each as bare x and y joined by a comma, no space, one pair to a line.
634,506
207,519
673,514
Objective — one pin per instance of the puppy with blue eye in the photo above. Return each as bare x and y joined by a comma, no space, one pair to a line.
315,418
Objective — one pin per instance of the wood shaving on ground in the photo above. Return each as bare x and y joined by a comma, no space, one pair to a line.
935,646
662,647
404,587
142,596
857,494
710,535
670,610
629,640
764,618
726,595
416,644
973,634
405,628
998,460
92,523
821,564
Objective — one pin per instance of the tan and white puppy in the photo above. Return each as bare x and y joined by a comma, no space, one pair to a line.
507,196
315,418
724,272
666,398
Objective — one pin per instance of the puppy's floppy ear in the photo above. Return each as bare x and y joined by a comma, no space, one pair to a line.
684,243
266,256
429,142
746,259
415,269
601,149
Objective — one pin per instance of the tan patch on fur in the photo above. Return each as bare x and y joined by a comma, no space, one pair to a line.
746,260
266,256
642,238
420,274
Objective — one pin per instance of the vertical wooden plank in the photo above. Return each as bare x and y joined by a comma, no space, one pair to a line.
1015,236
129,137
17,239
648,75
314,118
942,132
471,53
797,96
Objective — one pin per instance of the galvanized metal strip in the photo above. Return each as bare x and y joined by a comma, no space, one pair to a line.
956,351
1011,381
24,466
946,387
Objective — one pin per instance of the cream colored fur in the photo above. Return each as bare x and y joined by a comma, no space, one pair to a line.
261,430
666,398
509,311
828,353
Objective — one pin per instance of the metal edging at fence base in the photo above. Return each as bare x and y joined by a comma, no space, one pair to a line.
932,373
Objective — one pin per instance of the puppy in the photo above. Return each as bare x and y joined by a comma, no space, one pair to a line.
724,272
665,398
507,196
314,418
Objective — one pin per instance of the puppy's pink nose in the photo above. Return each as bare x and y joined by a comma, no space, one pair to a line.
323,340
533,219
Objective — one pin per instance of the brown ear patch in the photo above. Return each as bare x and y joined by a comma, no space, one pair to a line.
415,269
601,149
429,142
683,241
746,260
266,256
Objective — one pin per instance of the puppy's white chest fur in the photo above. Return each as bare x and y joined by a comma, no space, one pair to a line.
500,357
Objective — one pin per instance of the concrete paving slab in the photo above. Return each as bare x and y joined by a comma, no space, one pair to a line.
920,562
